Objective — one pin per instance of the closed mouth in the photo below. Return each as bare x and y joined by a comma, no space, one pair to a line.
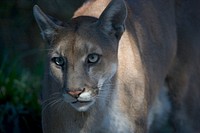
82,105
77,101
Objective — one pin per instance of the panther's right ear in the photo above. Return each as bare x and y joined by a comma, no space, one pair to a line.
112,20
47,26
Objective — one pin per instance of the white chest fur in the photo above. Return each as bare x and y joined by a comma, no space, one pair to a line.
115,121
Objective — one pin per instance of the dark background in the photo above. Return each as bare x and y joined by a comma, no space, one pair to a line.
21,61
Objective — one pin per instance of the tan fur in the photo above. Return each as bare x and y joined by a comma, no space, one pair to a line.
149,76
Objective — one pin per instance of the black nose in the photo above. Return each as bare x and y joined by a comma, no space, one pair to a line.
75,92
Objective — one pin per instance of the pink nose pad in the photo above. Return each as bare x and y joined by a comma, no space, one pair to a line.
75,93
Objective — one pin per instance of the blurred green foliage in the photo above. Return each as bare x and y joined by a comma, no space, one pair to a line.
19,85
19,95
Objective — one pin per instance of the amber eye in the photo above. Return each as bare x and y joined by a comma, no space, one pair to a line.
58,61
93,58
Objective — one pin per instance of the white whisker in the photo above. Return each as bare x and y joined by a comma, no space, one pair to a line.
51,104
52,96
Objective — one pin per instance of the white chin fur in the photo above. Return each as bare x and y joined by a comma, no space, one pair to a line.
82,107
82,103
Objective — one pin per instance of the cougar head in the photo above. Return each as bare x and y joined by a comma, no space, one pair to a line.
83,54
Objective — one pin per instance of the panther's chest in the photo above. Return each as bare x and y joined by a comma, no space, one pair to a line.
115,121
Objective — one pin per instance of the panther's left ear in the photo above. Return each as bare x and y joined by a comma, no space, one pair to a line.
112,20
47,26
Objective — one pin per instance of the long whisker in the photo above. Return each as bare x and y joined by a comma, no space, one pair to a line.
106,99
49,100
55,102
104,85
105,95
109,84
47,105
52,96
51,104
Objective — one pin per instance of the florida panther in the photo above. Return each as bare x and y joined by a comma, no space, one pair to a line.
123,66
